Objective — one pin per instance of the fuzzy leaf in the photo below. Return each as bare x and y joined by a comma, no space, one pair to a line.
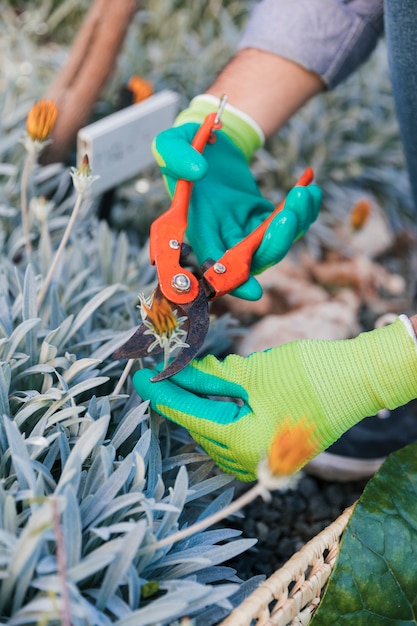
115,572
143,445
48,352
16,337
208,486
30,311
58,337
219,503
120,258
70,413
6,324
210,537
215,574
8,514
373,581
90,439
215,614
36,403
157,612
74,391
106,493
5,378
99,471
88,309
91,564
196,558
71,527
21,460
177,499
154,460
130,421
116,340
121,505
25,556
77,368
183,598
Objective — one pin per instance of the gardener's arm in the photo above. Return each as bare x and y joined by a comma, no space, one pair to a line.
316,389
413,321
330,38
226,203
267,87
289,52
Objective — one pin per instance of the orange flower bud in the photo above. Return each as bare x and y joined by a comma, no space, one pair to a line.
82,176
161,316
140,88
41,119
360,213
85,169
292,447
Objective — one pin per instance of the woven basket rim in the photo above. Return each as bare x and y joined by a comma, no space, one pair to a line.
291,594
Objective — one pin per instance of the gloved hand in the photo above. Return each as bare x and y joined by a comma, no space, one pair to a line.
327,386
226,204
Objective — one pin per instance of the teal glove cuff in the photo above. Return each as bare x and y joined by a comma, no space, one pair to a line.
245,133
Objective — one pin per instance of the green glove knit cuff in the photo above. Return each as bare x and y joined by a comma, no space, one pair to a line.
349,379
241,129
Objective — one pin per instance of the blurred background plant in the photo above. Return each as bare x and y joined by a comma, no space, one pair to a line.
80,461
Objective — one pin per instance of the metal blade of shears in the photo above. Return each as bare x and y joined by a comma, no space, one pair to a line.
198,319
138,344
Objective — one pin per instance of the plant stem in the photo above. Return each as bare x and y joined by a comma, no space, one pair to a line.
123,377
61,562
167,350
236,505
30,159
61,248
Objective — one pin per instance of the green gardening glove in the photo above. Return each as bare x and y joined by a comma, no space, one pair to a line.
226,204
319,387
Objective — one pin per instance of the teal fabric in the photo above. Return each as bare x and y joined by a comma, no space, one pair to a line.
226,204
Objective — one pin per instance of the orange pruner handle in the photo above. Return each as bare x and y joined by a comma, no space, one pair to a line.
167,231
233,269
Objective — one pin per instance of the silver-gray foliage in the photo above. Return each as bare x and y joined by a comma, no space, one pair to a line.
88,482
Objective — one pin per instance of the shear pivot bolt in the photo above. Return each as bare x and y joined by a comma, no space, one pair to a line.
181,282
219,268
174,244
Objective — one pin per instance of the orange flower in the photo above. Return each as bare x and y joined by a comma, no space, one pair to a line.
140,88
161,316
85,169
292,447
82,177
360,213
41,119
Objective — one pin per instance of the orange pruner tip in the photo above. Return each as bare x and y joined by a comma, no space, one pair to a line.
308,175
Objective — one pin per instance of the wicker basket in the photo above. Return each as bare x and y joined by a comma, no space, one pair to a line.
290,596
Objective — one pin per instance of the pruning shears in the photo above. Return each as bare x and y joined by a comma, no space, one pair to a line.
186,293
